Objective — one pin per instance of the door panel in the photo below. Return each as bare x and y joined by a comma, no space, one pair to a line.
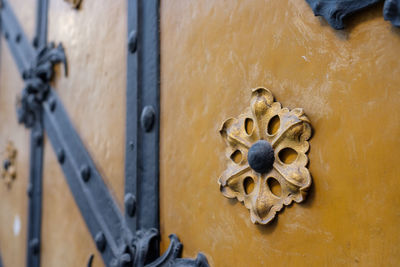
14,199
27,14
66,240
93,93
213,53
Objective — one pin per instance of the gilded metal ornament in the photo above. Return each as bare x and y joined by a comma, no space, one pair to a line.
9,171
267,147
74,3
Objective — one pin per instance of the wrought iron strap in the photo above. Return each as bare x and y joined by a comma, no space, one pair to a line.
20,47
41,109
41,23
148,103
132,119
98,207
142,125
96,204
35,196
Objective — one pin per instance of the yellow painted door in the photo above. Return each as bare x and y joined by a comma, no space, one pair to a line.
218,58
213,54
93,95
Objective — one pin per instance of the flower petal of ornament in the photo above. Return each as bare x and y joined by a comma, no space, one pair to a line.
266,148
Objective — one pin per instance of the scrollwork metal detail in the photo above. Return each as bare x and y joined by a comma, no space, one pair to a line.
36,79
170,258
267,147
337,10
391,12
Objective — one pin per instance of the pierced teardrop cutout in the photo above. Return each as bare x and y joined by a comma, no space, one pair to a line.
273,125
236,156
274,186
249,126
287,155
248,185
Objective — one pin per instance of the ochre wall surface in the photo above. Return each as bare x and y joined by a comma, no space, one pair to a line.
212,54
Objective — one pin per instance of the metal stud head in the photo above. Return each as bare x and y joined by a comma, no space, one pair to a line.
130,204
34,246
38,137
61,155
132,41
147,118
29,190
52,104
18,38
85,173
131,146
100,240
261,156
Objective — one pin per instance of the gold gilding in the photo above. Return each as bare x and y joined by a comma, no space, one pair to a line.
8,172
74,3
264,194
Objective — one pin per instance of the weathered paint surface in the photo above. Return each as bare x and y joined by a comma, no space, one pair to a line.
14,200
212,54
94,38
93,94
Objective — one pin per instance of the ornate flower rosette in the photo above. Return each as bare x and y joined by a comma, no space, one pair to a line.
267,147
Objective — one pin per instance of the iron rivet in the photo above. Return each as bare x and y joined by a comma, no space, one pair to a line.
61,155
37,136
35,42
100,240
130,204
147,118
52,104
34,245
29,190
18,38
85,173
131,145
132,41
